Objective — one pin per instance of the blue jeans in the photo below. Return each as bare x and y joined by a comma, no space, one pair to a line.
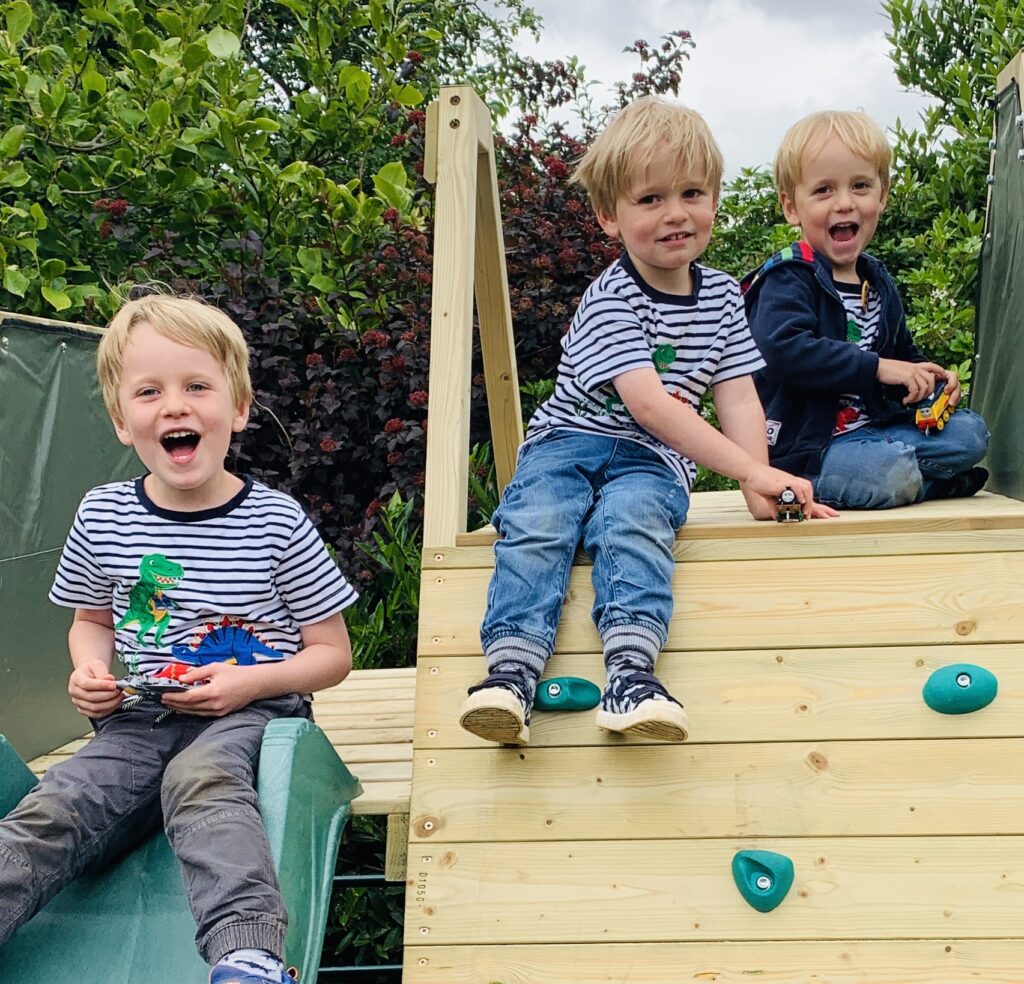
198,775
621,499
880,466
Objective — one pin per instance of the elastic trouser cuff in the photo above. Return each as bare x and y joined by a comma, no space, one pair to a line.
516,650
252,934
631,638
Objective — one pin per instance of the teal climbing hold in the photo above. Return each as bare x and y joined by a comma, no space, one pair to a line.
763,877
567,694
960,688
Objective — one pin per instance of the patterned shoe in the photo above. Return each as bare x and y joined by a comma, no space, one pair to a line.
636,703
498,708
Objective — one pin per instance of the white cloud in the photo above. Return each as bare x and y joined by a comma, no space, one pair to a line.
758,65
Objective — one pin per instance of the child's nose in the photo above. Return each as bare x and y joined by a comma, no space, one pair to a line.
678,210
174,403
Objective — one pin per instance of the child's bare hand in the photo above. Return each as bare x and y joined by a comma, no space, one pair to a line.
919,378
765,484
227,687
952,386
92,689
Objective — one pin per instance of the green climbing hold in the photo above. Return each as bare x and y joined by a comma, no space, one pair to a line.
960,688
763,877
567,694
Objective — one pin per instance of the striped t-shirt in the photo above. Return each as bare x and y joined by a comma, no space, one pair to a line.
235,582
863,313
622,323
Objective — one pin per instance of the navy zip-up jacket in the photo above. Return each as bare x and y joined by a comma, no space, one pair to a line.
798,320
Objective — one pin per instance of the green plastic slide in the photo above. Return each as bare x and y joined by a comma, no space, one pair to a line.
130,923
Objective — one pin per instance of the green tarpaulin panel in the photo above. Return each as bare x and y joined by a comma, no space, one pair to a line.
999,356
56,442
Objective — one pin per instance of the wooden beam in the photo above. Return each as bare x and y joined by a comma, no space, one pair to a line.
497,342
451,320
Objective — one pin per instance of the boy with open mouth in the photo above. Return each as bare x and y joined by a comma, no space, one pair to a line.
842,372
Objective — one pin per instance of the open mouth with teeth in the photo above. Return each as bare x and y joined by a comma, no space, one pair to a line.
676,237
843,232
180,445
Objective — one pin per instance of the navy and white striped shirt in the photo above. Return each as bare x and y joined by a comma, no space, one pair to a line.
622,323
236,581
862,320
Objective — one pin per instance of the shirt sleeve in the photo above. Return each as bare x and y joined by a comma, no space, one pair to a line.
80,581
605,340
741,356
308,579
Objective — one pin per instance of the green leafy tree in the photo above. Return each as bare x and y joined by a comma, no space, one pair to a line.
192,140
951,51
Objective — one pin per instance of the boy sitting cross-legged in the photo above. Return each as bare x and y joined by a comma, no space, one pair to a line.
841,368
609,458
176,571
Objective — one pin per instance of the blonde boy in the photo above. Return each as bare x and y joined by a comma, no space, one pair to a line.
609,458
841,368
175,572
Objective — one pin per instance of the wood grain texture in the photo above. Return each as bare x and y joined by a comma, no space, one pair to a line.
867,601
681,891
947,961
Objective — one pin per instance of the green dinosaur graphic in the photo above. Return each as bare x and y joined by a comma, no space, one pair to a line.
147,604
852,330
662,357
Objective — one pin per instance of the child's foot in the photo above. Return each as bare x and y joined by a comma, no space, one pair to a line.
636,703
250,967
498,708
960,486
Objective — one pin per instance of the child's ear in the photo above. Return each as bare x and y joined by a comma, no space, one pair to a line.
240,419
124,435
608,224
789,209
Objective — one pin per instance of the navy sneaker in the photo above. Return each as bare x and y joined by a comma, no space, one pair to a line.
637,703
960,486
498,708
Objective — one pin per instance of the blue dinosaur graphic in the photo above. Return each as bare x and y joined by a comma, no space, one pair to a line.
227,643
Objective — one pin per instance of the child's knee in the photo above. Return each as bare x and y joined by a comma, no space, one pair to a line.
904,483
972,434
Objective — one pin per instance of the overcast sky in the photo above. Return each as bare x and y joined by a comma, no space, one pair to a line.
758,65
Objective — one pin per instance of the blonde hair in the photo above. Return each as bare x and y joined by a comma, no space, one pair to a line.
186,320
624,149
860,134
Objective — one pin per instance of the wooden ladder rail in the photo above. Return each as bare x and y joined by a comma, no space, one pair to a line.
467,237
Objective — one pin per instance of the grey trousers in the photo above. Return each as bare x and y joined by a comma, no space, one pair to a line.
199,774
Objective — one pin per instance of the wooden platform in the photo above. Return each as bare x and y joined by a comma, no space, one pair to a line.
800,653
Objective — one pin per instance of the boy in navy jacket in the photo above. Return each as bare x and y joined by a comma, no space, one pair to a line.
842,371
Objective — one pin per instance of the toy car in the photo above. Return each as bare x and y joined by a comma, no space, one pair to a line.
934,410
788,508
153,686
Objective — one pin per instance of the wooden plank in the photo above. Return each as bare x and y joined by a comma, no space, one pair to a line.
880,601
723,516
698,550
497,342
451,321
382,799
860,789
396,847
393,752
680,891
1013,71
759,695
948,961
